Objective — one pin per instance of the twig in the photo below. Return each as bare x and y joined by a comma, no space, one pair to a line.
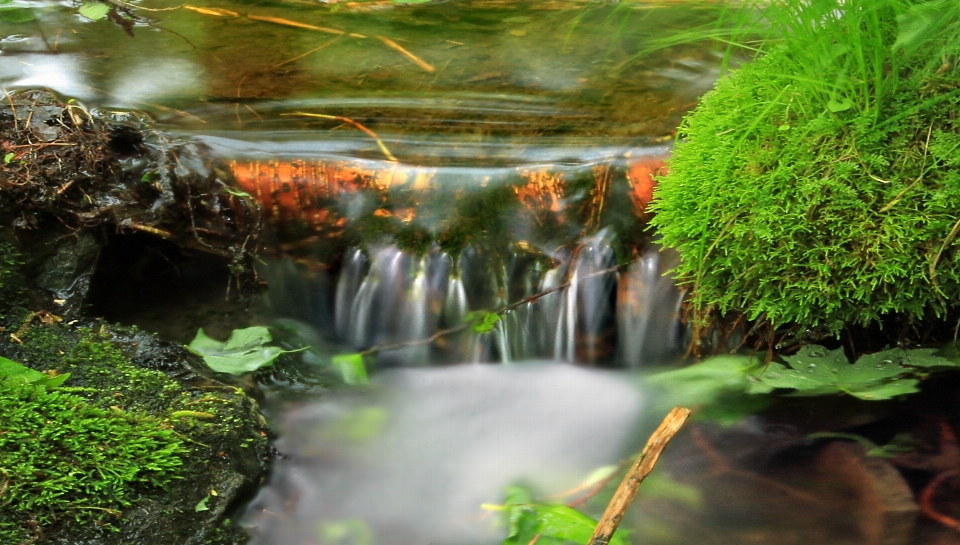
638,472
416,60
926,147
936,259
722,466
314,50
16,125
356,124
297,24
926,501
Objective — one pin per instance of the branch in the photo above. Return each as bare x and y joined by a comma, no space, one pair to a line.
638,472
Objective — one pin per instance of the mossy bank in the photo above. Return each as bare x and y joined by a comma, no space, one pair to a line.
124,453
139,445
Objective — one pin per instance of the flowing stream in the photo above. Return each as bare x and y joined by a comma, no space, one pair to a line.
458,189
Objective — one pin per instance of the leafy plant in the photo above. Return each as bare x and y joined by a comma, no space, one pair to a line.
545,523
10,13
816,184
11,370
815,371
726,387
245,351
482,321
94,10
351,367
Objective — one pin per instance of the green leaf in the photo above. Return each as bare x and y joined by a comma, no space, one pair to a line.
841,105
202,506
902,442
719,386
8,157
94,10
705,382
12,370
236,192
568,524
16,14
815,371
244,351
352,369
482,321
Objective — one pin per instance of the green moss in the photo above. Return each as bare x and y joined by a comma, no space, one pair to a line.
116,436
799,205
60,456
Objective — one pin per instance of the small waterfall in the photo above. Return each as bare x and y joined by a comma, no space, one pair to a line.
591,311
648,309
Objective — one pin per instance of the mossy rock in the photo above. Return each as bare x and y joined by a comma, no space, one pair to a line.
821,211
171,439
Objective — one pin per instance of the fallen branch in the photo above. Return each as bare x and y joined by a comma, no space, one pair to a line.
642,467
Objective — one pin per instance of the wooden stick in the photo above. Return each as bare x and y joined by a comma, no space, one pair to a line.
415,59
638,472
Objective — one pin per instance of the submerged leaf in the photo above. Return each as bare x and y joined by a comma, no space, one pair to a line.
94,10
814,371
351,367
244,351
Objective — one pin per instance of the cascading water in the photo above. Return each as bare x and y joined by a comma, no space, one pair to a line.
591,310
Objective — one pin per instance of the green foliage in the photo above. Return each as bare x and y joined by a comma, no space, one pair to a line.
818,183
901,443
482,321
94,10
61,456
555,524
720,387
10,13
244,352
726,388
815,371
11,370
351,367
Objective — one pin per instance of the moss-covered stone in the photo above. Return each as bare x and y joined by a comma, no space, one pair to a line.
214,439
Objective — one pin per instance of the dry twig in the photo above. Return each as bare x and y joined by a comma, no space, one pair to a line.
642,467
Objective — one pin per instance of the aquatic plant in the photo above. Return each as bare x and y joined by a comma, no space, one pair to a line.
818,183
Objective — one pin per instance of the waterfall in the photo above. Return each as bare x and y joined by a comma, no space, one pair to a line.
591,312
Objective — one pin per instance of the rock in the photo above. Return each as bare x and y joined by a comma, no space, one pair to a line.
886,511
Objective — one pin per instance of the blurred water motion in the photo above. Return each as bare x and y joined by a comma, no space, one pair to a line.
416,459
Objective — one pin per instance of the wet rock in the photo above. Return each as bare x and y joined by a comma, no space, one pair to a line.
82,170
886,511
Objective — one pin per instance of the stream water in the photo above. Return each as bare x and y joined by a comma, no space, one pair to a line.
416,164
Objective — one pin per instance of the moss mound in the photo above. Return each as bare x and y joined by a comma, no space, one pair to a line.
819,184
